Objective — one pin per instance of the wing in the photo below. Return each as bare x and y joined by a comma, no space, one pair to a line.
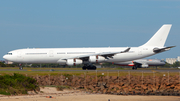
104,54
137,63
110,54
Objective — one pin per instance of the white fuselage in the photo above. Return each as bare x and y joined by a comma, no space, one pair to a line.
52,55
74,56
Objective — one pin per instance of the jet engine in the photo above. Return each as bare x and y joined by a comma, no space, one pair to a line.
96,59
144,66
73,62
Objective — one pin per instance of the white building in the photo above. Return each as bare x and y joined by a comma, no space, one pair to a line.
171,60
178,58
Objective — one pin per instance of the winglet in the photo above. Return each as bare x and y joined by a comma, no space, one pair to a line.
127,50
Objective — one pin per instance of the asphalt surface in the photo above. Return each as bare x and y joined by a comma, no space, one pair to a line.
153,70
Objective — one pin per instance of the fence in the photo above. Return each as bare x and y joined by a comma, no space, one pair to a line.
154,83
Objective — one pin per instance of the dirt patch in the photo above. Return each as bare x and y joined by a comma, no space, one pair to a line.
77,95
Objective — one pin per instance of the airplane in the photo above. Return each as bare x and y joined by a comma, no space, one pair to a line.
90,56
142,63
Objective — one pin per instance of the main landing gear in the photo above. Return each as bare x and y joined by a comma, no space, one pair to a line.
89,67
134,67
20,67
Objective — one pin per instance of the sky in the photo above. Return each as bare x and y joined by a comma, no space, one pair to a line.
87,23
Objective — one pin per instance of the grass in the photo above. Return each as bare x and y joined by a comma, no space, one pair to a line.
29,72
70,68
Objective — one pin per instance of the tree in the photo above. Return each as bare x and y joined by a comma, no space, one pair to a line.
2,64
176,64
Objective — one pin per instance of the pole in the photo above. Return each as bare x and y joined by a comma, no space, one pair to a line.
96,76
168,77
85,79
142,77
118,76
129,76
108,76
36,76
49,79
179,77
62,79
153,79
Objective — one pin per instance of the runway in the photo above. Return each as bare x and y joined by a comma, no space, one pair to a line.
60,70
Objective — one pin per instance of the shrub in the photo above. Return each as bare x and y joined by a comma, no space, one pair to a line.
17,84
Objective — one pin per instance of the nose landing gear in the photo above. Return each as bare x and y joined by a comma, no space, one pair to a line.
20,67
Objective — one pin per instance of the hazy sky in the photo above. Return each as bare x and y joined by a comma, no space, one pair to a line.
87,23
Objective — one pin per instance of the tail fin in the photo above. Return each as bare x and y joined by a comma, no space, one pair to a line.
159,38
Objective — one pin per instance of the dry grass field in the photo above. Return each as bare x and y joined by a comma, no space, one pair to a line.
78,71
76,95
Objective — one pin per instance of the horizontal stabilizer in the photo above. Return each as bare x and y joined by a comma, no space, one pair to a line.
158,50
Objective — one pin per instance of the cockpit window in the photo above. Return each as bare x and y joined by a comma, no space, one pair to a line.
9,54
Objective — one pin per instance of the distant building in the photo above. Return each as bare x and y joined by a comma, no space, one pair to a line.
171,60
178,58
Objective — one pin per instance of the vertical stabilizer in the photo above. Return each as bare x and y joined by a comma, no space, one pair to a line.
159,38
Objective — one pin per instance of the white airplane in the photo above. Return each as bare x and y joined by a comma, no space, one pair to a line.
142,63
90,56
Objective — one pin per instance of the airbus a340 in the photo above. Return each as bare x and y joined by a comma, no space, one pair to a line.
90,56
142,63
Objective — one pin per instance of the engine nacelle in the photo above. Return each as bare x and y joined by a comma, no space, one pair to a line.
73,62
144,66
96,59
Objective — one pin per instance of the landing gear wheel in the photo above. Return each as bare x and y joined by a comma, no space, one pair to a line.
91,67
133,67
21,68
84,67
94,68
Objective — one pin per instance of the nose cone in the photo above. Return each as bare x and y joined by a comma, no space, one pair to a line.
5,57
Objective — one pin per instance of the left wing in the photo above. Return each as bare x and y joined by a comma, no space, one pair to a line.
137,63
104,54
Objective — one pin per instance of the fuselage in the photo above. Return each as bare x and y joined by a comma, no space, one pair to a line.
89,56
53,55
149,62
